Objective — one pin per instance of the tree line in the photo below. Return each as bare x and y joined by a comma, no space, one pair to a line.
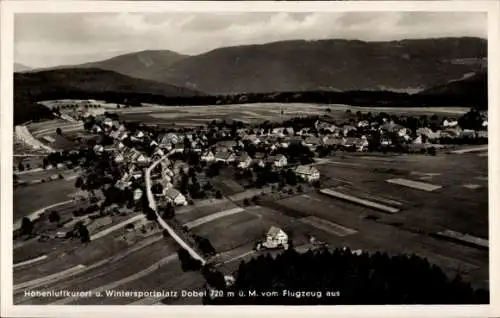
366,279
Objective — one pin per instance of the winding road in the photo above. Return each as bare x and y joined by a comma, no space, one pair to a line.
163,224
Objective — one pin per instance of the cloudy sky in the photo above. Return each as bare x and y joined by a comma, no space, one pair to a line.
43,40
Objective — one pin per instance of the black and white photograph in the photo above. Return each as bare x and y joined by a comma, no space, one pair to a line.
281,157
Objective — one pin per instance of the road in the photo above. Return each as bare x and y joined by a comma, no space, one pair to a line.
163,224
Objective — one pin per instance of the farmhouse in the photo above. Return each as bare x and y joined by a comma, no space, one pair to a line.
223,156
276,237
307,173
174,196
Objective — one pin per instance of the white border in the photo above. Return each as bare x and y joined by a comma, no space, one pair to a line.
7,11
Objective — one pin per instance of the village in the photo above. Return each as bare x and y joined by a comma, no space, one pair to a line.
238,169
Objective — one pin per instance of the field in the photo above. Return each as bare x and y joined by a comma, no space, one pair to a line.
182,116
423,214
33,197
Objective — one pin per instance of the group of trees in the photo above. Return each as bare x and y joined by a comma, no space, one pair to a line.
366,279
188,263
204,245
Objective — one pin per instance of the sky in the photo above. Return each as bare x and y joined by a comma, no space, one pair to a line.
51,39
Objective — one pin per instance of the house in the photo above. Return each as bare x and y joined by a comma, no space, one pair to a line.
207,156
450,123
276,237
118,134
385,141
252,139
333,142
347,129
179,146
108,122
139,134
304,132
277,161
278,131
363,124
243,160
114,134
226,145
223,156
308,173
319,125
119,158
428,133
312,141
96,129
468,133
361,144
450,133
174,196
159,152
482,134
169,138
137,194
98,149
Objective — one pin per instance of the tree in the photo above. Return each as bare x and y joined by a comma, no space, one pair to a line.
54,217
157,188
26,226
169,211
218,194
84,234
432,151
150,213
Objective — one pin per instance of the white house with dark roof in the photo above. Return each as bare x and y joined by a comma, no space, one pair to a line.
174,196
308,173
168,139
277,161
276,237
